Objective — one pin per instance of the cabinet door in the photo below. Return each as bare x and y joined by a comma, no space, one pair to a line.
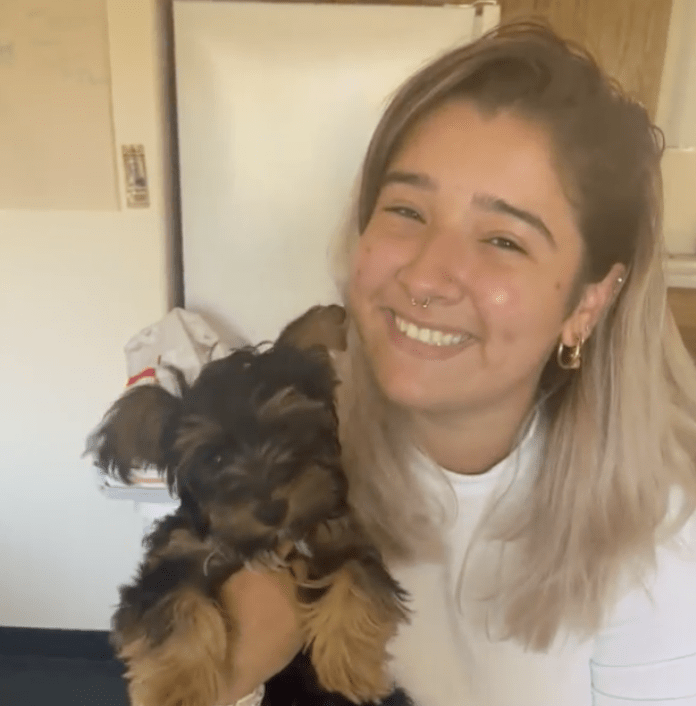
627,37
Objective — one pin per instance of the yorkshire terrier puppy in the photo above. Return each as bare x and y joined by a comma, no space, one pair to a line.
251,449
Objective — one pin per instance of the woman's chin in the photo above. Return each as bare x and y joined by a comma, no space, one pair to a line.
407,388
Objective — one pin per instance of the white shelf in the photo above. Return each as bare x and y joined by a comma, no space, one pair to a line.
150,493
681,271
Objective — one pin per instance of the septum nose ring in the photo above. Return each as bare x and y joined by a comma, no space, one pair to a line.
425,303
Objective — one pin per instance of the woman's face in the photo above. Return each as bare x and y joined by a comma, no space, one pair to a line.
472,219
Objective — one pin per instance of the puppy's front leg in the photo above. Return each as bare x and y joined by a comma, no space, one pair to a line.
190,667
352,608
169,629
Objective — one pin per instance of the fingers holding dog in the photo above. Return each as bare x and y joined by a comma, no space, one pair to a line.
264,608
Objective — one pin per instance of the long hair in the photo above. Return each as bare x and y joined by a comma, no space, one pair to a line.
617,469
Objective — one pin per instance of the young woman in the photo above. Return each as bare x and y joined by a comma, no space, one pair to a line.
518,409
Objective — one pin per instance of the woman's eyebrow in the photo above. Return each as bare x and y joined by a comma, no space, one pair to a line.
486,202
422,181
498,205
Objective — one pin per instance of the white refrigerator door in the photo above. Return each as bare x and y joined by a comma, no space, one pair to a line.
276,103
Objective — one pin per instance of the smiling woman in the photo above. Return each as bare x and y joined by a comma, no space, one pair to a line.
517,409
511,352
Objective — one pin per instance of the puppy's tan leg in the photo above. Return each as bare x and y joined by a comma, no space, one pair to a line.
348,629
191,666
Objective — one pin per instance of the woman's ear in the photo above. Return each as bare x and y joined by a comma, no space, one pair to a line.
595,299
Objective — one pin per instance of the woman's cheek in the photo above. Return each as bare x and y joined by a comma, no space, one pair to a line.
361,284
371,264
503,299
358,268
499,297
504,311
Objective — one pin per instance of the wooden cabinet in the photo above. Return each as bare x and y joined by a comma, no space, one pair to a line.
627,37
683,305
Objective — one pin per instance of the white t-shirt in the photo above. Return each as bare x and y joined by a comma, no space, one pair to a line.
645,654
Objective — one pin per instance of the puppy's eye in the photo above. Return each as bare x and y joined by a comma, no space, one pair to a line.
213,459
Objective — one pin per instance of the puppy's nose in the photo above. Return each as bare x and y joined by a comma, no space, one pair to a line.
272,512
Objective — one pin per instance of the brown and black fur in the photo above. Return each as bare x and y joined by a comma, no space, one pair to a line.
252,450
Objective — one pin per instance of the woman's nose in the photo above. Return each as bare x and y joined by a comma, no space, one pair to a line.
434,270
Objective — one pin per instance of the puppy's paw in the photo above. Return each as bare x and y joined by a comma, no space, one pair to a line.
348,629
190,666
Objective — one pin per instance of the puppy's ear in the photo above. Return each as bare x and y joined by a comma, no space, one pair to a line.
319,326
136,432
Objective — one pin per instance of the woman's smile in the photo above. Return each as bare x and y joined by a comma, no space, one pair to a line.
432,341
434,336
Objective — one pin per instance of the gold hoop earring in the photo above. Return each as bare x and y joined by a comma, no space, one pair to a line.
569,357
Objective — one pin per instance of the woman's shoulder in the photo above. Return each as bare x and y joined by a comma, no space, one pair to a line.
668,587
648,643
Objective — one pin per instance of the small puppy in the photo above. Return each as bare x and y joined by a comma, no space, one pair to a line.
252,450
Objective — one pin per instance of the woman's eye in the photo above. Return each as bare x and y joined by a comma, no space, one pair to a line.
406,212
500,241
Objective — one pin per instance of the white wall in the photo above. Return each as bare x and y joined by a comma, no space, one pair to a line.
74,287
270,148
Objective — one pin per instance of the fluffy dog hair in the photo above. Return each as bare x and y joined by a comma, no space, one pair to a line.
251,448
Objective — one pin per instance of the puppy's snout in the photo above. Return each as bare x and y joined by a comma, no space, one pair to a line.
272,512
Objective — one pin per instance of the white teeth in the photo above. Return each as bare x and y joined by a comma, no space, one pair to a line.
426,335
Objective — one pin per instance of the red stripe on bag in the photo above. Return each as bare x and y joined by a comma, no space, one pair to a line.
147,373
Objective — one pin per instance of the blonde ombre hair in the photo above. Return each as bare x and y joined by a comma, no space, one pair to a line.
620,432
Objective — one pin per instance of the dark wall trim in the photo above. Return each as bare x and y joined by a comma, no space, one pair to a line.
44,642
176,243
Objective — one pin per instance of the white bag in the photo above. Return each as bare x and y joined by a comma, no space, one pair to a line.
186,341
181,339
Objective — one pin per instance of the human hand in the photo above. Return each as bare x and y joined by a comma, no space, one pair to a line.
262,604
